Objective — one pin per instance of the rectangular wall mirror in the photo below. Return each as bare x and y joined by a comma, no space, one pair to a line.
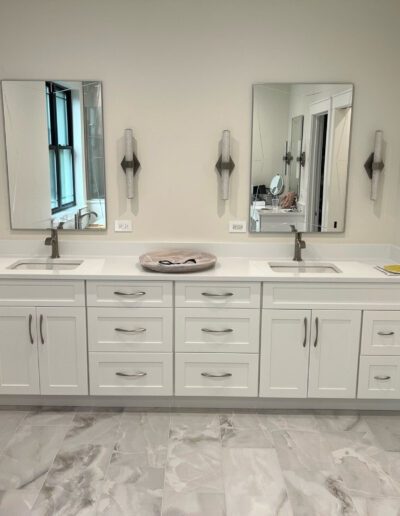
300,157
55,154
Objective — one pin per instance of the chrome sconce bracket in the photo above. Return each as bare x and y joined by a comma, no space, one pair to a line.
220,165
301,159
287,158
370,165
133,164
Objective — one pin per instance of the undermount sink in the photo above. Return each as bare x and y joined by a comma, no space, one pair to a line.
304,267
46,265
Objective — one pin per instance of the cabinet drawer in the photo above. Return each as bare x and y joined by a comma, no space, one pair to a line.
129,293
381,333
210,330
339,296
41,293
379,377
124,329
130,374
216,374
217,294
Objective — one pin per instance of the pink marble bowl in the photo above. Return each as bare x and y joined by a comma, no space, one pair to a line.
177,260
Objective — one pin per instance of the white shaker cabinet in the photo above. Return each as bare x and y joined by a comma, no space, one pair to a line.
309,353
43,344
62,350
43,350
19,373
284,353
334,352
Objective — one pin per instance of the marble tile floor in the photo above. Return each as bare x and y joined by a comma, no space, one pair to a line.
87,462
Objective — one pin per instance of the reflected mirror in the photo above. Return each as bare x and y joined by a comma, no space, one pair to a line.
55,154
300,134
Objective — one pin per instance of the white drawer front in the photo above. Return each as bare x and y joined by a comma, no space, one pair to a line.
41,293
330,295
379,377
128,329
216,374
381,333
130,374
210,330
217,294
129,293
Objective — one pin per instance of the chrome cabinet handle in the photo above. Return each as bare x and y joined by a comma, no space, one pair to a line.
30,328
41,328
211,294
222,375
305,332
134,294
382,377
316,332
137,330
385,333
208,330
139,374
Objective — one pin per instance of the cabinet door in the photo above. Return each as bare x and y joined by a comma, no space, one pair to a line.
284,353
62,350
334,350
19,370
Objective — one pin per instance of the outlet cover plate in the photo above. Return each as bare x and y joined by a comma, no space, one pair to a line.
237,226
124,226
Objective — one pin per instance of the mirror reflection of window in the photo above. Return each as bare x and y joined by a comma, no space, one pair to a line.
55,153
61,149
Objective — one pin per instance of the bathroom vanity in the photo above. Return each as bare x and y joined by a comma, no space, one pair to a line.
243,330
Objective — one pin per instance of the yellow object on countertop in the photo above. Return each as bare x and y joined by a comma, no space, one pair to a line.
395,269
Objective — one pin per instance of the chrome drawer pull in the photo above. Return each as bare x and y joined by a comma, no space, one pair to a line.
210,294
305,332
316,332
139,374
41,328
222,375
135,294
385,333
30,328
208,330
382,377
138,330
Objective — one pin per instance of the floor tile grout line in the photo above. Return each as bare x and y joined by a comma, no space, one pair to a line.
165,465
223,469
48,470
112,451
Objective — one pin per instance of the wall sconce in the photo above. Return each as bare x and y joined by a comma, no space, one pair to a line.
374,164
225,164
130,163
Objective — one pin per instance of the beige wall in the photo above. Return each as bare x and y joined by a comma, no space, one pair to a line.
180,71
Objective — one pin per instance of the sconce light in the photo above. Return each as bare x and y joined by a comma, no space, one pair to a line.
374,164
130,163
225,164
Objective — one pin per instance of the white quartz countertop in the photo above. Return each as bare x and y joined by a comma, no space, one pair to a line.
227,269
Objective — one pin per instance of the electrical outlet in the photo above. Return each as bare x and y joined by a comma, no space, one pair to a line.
123,226
237,226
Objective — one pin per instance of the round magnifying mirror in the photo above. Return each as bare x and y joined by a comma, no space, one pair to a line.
276,185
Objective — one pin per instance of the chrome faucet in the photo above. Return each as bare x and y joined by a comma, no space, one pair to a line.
79,216
299,244
53,241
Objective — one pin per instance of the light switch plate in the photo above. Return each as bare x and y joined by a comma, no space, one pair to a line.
237,226
124,226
